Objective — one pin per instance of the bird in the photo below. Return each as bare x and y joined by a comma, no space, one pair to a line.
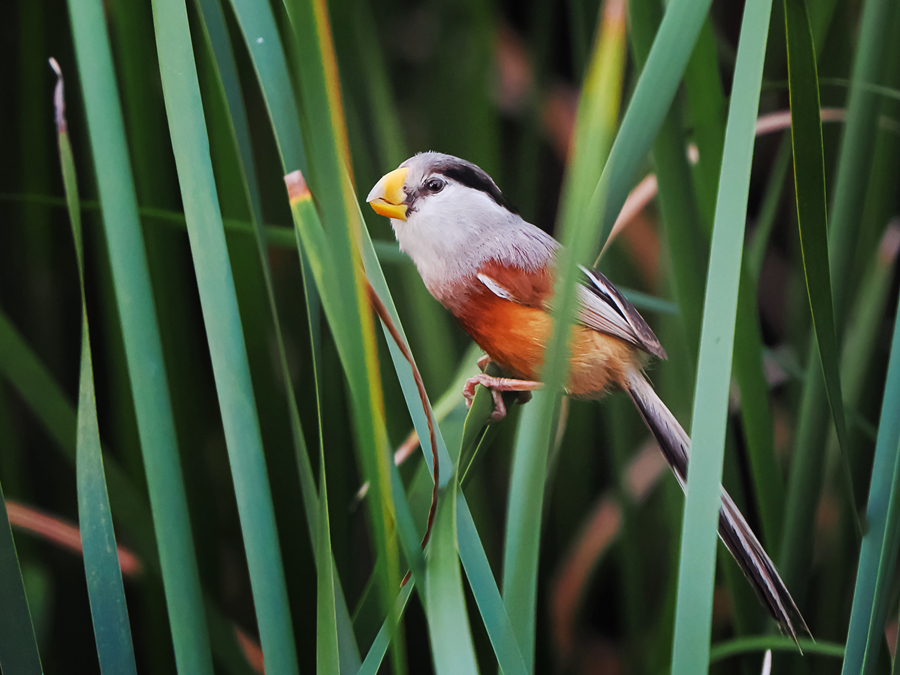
495,273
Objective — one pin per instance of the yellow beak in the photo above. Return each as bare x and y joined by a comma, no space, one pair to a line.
387,196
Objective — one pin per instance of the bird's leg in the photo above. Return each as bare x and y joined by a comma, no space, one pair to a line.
483,362
498,385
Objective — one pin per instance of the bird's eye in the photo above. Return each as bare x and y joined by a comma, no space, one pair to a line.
434,185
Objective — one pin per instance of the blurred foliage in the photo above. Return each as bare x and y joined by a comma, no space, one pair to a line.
498,84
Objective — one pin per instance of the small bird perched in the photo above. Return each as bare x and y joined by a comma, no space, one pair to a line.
495,273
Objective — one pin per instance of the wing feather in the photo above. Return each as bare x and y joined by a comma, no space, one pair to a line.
601,306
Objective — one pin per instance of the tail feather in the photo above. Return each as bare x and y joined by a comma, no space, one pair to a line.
733,528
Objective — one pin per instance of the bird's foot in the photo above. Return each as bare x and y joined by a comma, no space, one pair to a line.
498,385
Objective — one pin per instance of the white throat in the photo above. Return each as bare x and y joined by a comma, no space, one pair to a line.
450,235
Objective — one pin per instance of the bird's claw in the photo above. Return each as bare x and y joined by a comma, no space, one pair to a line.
486,381
469,392
497,386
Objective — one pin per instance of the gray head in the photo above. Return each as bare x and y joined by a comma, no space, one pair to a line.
450,218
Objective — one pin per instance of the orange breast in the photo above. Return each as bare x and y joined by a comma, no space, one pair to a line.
515,337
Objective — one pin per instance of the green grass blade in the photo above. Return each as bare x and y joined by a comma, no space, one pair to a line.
707,114
707,104
109,612
142,342
487,596
678,206
320,256
864,324
688,243
848,195
380,645
858,142
403,369
351,317
266,52
756,415
595,127
878,556
112,630
307,220
328,660
18,645
746,645
809,183
271,69
525,508
768,211
30,378
471,552
648,302
696,569
451,637
224,333
650,102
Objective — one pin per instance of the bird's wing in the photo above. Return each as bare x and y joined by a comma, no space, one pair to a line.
604,308
601,306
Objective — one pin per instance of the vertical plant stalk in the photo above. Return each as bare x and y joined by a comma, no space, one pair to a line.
444,590
352,325
854,166
696,570
809,184
878,556
382,313
18,645
328,660
595,128
310,232
264,45
649,104
109,612
218,301
469,547
142,342
707,105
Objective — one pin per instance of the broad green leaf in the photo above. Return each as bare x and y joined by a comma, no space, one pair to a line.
850,184
141,335
594,131
471,551
112,630
809,184
224,333
350,316
653,94
18,646
451,637
878,556
696,569
744,645
328,659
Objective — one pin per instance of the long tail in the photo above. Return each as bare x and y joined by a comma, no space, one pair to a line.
733,529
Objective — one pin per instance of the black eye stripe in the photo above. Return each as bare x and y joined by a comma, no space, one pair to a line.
473,177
